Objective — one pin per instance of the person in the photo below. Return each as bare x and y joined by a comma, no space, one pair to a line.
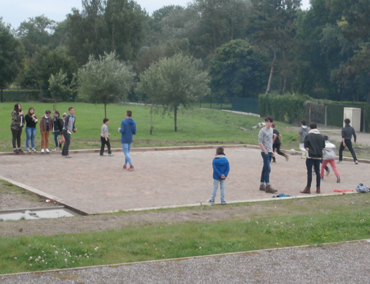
61,142
221,170
265,138
57,127
31,121
276,143
46,125
329,157
347,133
314,144
127,129
104,139
68,127
16,127
303,131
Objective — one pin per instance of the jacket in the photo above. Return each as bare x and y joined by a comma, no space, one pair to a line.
69,123
43,124
329,151
220,167
128,128
17,121
315,143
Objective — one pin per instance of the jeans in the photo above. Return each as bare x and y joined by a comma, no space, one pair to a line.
56,133
265,175
103,143
316,165
126,150
222,188
349,146
30,134
67,138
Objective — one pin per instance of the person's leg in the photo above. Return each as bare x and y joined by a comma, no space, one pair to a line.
215,186
341,148
263,169
301,147
323,166
14,138
67,138
42,140
222,187
317,171
266,168
278,150
19,133
47,139
56,133
33,135
126,151
334,167
350,148
28,136
108,145
102,145
309,163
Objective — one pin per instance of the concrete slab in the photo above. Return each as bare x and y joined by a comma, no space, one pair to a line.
95,184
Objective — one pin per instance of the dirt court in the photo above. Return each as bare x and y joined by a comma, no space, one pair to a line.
94,184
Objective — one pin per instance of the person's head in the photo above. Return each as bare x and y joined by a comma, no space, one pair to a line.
273,125
71,110
326,137
128,113
31,111
220,150
347,121
47,113
313,125
268,121
105,120
64,115
17,108
303,122
56,113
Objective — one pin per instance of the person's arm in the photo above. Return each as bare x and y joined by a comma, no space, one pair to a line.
354,135
134,129
122,128
260,139
218,173
227,170
74,127
66,122
274,135
281,139
105,134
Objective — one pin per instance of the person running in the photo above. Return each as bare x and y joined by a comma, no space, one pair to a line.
329,157
46,125
68,128
303,131
31,121
347,133
265,138
276,143
16,127
127,129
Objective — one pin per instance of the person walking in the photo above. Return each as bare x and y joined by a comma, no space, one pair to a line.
16,127
314,144
347,133
31,121
104,138
127,130
276,143
265,138
68,128
329,157
46,125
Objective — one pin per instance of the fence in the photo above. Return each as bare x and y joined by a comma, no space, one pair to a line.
20,96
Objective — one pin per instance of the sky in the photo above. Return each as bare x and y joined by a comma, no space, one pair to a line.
16,11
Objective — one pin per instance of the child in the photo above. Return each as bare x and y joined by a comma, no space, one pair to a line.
57,127
221,170
46,125
63,140
104,138
276,143
302,135
329,157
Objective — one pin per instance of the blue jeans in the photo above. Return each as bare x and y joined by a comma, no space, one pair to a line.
30,134
126,150
316,164
222,188
265,175
56,133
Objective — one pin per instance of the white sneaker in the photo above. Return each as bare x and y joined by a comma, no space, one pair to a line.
34,150
356,162
28,150
47,150
42,151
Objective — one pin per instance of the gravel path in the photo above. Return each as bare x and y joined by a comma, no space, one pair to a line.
333,263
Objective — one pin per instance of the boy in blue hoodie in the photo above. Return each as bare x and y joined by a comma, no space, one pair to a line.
127,129
221,170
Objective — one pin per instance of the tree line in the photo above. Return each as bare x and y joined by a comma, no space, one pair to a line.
112,49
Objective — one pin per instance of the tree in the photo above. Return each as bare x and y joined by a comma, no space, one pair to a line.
11,57
105,79
237,70
59,87
176,81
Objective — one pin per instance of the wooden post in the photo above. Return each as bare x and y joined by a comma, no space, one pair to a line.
326,115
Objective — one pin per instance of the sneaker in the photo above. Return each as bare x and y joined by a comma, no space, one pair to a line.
28,150
131,168
303,157
210,201
102,155
124,167
262,187
47,150
339,162
223,203
15,151
33,150
287,158
110,155
338,179
328,172
68,156
42,151
20,150
356,162
269,189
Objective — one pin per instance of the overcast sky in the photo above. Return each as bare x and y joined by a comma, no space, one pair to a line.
16,11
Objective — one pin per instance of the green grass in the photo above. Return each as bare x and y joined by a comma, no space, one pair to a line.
294,222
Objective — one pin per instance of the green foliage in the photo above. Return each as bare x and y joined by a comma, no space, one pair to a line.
287,108
59,87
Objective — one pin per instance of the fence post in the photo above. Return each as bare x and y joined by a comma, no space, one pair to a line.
364,126
309,112
326,115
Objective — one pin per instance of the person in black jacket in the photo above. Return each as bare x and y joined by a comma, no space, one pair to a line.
314,143
347,133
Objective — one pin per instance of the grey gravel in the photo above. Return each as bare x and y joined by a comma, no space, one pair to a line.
347,262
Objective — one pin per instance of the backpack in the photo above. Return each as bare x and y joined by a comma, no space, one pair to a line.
362,188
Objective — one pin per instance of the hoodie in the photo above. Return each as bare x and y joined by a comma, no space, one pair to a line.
303,132
220,166
128,128
329,151
315,143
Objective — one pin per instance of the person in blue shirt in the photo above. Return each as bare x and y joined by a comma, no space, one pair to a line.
221,170
127,130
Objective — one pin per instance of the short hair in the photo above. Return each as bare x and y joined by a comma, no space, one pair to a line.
47,111
313,125
347,121
70,108
326,137
273,125
105,120
129,113
303,122
220,150
269,118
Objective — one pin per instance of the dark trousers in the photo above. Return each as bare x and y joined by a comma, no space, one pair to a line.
103,143
16,137
67,138
277,147
265,175
316,164
349,146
